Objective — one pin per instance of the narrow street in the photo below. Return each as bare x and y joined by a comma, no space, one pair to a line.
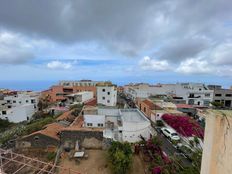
170,150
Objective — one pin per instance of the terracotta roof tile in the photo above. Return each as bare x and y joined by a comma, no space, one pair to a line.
151,105
51,130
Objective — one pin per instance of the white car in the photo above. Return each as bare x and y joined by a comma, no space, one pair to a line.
171,134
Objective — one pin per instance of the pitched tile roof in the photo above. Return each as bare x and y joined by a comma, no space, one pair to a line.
151,105
51,130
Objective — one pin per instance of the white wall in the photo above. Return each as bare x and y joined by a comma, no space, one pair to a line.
22,106
19,113
107,95
94,120
131,131
86,96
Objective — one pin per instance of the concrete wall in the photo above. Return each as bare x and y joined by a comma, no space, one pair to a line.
71,137
131,131
217,151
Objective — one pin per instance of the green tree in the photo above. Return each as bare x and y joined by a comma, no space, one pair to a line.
120,157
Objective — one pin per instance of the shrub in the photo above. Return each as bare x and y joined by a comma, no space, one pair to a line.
184,125
159,123
51,156
120,157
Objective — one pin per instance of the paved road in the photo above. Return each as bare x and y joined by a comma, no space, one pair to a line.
170,150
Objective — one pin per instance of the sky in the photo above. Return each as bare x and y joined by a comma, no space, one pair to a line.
123,41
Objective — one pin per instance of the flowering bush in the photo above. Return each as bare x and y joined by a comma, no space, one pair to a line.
184,125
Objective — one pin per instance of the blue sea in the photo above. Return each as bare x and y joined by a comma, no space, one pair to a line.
27,85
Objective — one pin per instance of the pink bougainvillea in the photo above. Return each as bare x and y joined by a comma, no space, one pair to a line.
184,125
157,170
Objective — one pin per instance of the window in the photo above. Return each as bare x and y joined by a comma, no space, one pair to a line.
218,95
228,95
144,109
9,106
32,101
26,101
100,125
8,101
108,93
103,90
3,112
14,101
36,138
207,95
108,101
103,98
191,95
89,124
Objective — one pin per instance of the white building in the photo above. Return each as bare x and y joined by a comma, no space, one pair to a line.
191,93
71,83
19,107
107,94
79,97
120,124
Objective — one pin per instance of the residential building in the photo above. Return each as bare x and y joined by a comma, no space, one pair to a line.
221,95
64,88
217,149
120,124
191,93
79,98
107,94
19,107
147,107
47,138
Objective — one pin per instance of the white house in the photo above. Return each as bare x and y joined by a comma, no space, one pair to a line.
79,97
94,121
107,94
120,124
19,107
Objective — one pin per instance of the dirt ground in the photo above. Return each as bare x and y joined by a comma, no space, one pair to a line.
97,164
137,165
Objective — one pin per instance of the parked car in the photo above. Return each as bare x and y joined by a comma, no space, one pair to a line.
185,150
171,134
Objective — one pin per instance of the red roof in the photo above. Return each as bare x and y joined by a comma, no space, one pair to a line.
91,102
184,106
151,105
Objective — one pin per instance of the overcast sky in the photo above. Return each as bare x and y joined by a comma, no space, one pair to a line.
121,40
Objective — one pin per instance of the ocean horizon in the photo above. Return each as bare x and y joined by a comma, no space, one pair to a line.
27,85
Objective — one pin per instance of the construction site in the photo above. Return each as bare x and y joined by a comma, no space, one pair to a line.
13,163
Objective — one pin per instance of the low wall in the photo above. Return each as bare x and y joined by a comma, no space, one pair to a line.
86,139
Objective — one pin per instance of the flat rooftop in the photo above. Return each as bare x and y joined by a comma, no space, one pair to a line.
132,115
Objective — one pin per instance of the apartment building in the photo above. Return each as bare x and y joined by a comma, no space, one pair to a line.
107,94
64,88
19,107
221,95
191,93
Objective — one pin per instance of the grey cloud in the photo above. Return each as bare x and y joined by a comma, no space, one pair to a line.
180,49
13,50
129,26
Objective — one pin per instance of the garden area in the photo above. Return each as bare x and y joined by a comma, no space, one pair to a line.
185,126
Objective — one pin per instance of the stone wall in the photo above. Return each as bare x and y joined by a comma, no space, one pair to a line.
37,141
86,139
